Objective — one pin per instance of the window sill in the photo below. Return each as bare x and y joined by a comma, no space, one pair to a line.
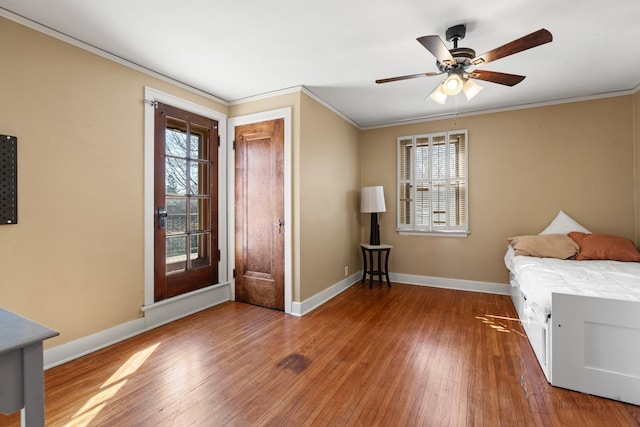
456,233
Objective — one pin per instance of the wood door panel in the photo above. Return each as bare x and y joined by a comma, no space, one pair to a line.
259,200
259,204
259,291
179,284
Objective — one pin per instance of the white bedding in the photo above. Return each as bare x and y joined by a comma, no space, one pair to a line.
539,277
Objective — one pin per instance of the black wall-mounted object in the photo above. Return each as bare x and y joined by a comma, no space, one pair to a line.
8,179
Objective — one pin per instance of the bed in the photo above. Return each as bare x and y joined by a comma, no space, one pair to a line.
582,317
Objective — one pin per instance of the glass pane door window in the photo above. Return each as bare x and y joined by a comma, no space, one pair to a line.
187,196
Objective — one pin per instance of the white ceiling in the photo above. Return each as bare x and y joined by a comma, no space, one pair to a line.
235,49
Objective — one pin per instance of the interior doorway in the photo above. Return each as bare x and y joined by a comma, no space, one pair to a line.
261,201
259,213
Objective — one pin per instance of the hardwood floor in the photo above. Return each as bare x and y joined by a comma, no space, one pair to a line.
409,355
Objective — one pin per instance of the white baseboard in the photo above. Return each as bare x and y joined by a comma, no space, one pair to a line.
172,309
304,307
457,284
154,315
77,348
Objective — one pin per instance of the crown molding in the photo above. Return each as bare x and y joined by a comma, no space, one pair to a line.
105,54
445,116
294,89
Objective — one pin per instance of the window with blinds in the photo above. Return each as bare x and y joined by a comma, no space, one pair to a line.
433,183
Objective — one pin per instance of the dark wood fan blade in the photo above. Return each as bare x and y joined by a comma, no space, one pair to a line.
436,46
410,76
523,43
495,77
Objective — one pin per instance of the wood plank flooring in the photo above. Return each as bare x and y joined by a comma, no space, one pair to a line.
405,356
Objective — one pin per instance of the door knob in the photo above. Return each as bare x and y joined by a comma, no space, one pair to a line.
162,218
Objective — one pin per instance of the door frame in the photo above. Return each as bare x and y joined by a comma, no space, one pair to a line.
281,113
186,304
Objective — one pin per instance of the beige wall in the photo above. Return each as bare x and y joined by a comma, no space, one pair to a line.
524,166
74,261
329,188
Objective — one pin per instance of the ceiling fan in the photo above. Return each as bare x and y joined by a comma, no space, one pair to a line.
457,61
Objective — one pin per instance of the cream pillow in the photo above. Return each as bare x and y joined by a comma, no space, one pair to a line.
545,246
563,224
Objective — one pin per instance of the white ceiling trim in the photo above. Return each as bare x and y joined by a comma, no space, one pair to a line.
330,107
265,95
104,54
500,110
444,116
302,89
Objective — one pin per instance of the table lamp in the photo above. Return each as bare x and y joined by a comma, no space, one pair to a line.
372,201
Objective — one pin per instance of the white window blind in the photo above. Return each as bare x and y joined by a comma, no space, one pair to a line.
433,182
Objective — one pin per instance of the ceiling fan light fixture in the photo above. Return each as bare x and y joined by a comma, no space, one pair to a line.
452,85
455,62
471,89
438,94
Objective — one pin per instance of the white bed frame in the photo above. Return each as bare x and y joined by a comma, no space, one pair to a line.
589,344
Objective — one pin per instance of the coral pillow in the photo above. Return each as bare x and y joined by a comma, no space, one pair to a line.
544,246
605,246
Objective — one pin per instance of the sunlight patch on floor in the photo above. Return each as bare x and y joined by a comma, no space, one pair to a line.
494,322
110,388
131,365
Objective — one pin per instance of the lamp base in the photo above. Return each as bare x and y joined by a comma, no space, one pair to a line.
374,233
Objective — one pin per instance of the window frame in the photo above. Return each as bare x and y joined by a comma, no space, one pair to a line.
412,181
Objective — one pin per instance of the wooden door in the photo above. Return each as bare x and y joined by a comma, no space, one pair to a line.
186,202
259,213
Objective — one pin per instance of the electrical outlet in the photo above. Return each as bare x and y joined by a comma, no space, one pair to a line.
346,270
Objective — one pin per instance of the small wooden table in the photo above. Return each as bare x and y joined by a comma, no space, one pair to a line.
21,367
368,264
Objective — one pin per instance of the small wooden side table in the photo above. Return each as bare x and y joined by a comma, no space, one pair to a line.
375,269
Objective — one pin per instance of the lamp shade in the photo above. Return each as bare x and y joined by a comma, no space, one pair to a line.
452,85
438,95
471,89
372,199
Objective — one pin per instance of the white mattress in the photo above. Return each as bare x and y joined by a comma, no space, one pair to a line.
537,278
